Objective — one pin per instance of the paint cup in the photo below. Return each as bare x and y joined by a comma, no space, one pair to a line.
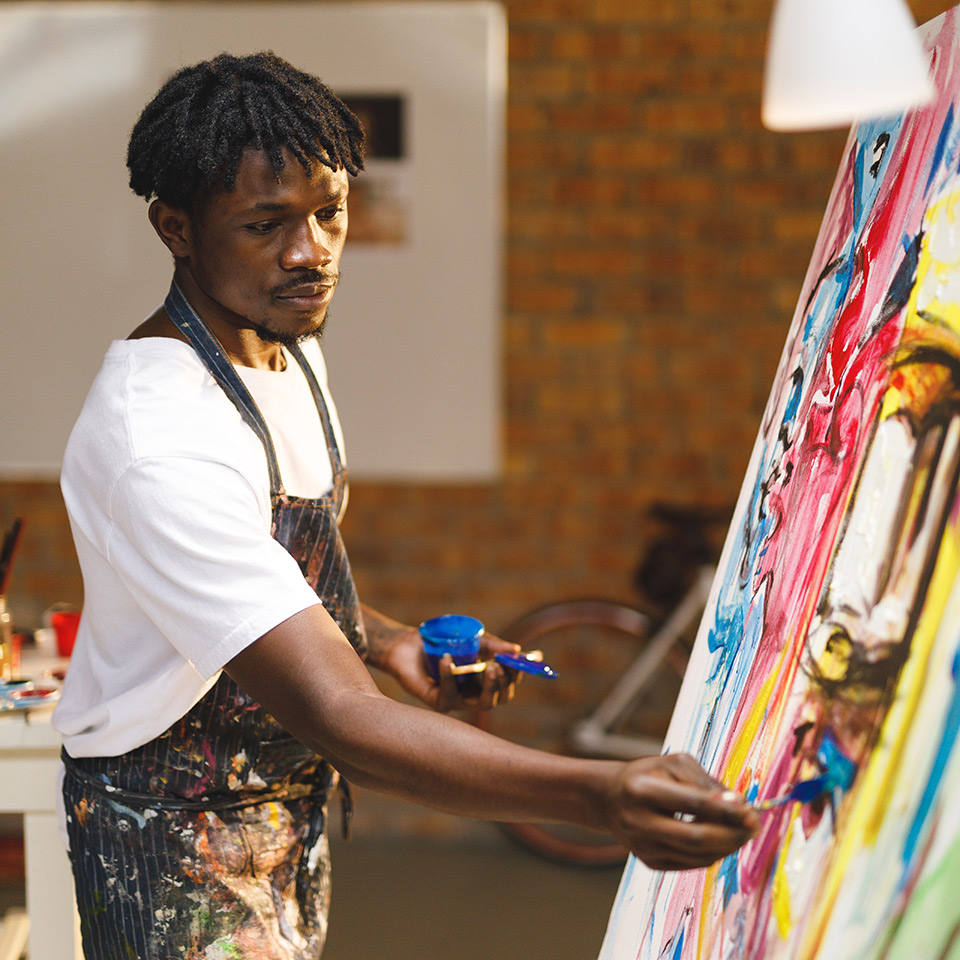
65,623
454,634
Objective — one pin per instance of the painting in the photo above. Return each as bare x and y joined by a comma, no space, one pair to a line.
380,196
824,680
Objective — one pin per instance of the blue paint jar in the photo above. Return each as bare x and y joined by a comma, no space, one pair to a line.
454,634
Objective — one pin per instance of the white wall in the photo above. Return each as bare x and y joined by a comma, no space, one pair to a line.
413,341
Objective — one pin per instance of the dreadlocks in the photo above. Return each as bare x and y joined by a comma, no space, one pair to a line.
188,139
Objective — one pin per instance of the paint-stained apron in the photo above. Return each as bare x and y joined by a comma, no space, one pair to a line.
209,842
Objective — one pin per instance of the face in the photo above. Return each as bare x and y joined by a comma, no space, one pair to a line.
265,256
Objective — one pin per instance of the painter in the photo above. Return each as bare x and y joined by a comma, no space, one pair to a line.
218,691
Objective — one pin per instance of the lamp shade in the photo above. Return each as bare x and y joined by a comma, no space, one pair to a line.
833,62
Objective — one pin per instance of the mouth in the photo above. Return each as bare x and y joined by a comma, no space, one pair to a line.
308,294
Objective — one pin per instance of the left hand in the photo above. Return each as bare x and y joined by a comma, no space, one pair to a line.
404,660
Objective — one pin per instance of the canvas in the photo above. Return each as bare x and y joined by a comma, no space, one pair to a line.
830,649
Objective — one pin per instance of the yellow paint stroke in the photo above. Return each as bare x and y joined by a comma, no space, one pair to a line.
274,815
779,680
759,727
934,321
709,886
781,886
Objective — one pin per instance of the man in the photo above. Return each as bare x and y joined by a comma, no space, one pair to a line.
218,689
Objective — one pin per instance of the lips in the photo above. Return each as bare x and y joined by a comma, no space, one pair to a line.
308,291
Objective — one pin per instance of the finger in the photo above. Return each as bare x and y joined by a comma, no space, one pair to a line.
490,690
489,645
699,843
506,680
669,797
686,769
677,775
690,846
448,697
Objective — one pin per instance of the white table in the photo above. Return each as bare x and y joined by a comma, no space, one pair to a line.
29,760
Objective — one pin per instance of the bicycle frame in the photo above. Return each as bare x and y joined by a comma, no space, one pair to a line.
594,735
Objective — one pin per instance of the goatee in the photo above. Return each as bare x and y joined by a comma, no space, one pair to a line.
289,339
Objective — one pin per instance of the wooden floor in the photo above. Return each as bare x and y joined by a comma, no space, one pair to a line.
473,899
463,901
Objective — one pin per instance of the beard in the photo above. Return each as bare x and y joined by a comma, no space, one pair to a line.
289,339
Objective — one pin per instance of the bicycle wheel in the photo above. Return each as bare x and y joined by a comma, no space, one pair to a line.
590,643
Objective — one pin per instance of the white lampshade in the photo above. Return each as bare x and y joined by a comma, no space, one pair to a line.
833,62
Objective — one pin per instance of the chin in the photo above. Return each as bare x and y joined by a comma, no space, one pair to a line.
289,339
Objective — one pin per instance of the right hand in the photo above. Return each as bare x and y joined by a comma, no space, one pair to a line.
674,816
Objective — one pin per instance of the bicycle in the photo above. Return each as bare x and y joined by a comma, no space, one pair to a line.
590,641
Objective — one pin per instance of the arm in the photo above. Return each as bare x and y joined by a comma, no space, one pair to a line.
306,674
397,649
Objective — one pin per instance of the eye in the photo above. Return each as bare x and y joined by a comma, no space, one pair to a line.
329,213
261,228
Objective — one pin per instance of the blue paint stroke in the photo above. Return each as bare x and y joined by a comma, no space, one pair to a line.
838,772
948,739
140,818
678,949
946,134
727,874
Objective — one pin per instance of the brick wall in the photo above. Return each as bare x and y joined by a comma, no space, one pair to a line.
657,237
657,240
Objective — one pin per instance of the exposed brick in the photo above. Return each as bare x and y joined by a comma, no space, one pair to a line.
656,241
633,78
631,153
588,116
687,116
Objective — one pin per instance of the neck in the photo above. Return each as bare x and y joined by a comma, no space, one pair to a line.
240,343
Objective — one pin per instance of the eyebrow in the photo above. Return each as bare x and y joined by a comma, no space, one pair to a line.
272,206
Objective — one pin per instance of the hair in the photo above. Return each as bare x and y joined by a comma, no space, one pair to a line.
187,142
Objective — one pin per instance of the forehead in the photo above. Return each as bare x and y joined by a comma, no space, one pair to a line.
256,184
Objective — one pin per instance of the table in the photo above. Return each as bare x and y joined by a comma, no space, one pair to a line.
29,761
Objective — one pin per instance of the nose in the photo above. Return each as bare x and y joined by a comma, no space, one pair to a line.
308,247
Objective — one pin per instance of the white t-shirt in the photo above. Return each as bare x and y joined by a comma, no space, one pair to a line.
168,496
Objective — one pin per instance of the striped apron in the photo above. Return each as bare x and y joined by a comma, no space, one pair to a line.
209,842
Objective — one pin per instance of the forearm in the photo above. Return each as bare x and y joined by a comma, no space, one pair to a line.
308,676
432,759
325,698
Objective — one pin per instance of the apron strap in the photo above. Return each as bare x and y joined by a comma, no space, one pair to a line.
333,448
211,352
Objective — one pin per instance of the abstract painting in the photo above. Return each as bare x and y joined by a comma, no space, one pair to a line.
824,680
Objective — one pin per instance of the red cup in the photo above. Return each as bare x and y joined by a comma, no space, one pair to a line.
65,623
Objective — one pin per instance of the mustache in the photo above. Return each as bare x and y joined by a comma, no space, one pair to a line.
308,276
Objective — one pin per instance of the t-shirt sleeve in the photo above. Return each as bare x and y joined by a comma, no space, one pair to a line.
190,540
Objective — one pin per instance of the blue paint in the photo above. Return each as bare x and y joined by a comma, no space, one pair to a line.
517,661
139,818
727,625
454,634
839,770
948,739
678,946
793,403
936,161
727,874
838,773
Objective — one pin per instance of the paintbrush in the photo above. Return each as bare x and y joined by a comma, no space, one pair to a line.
802,792
10,543
837,773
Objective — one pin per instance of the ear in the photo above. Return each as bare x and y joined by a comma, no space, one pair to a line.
173,227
